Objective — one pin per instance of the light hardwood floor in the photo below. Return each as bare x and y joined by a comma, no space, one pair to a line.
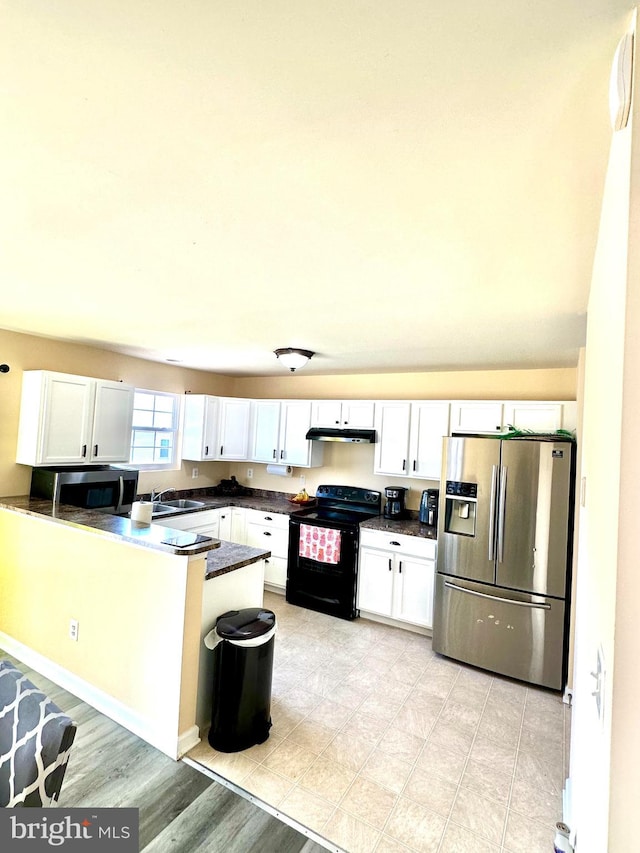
180,808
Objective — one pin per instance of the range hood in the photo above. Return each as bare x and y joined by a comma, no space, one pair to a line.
353,436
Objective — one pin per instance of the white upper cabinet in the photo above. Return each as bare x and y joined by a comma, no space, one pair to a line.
265,430
495,416
73,420
476,416
393,422
409,438
200,427
112,422
429,425
215,428
233,433
278,434
343,414
540,417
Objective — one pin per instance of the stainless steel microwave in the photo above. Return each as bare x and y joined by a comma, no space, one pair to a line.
105,488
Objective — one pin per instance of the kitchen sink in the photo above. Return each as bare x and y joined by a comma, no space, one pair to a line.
162,509
183,504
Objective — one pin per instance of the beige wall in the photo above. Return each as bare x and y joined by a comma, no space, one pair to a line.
135,653
605,753
547,384
625,730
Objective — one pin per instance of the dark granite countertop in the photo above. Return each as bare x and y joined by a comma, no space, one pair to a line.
262,501
230,556
161,536
409,526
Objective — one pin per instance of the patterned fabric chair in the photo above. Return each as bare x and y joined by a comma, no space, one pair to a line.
35,739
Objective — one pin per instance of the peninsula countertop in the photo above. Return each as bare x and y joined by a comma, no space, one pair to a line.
160,537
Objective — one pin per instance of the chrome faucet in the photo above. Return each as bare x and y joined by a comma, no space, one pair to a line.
155,496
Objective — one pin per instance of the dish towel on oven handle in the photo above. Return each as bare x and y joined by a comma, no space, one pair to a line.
321,544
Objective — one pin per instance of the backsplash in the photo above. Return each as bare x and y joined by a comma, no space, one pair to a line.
344,464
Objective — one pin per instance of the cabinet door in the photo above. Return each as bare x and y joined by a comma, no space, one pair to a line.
238,525
540,417
326,413
294,423
233,435
224,524
113,417
358,414
392,447
199,434
375,581
429,425
275,572
265,430
66,418
476,416
413,591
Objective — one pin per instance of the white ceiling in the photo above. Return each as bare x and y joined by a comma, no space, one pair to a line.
397,185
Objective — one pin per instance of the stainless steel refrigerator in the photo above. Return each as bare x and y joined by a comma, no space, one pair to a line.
504,550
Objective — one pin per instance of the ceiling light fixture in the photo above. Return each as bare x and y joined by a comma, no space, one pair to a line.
293,358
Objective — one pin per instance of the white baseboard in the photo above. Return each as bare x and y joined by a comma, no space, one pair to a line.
101,701
395,623
188,740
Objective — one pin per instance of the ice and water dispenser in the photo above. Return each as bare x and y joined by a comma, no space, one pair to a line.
461,502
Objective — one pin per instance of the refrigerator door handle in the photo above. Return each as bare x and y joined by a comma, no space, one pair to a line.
502,510
531,604
492,513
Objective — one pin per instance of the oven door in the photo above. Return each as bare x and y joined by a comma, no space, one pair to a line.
322,567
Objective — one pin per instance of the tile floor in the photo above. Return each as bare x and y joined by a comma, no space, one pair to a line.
378,744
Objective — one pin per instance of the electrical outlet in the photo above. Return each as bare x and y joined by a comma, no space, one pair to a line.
74,627
303,481
194,473
249,473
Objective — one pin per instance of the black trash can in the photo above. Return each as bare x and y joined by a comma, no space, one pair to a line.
242,674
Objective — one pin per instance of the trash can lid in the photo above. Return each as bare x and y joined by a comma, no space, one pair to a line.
245,624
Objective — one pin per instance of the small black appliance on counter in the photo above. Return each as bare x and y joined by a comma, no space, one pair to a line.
429,508
230,487
395,505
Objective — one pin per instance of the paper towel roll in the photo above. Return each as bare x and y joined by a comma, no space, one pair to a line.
280,470
141,512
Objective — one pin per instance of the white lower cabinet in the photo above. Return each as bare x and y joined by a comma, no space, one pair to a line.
396,576
206,523
270,530
233,524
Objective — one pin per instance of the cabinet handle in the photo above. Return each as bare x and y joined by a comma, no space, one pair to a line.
95,450
268,518
393,542
337,422
281,454
84,450
404,464
266,533
206,450
221,449
274,453
415,463
389,563
400,567
346,423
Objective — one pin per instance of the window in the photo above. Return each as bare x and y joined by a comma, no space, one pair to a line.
154,436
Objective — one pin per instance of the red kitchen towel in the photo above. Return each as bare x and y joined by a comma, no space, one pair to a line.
321,544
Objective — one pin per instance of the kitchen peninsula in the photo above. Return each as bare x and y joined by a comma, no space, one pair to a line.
115,611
